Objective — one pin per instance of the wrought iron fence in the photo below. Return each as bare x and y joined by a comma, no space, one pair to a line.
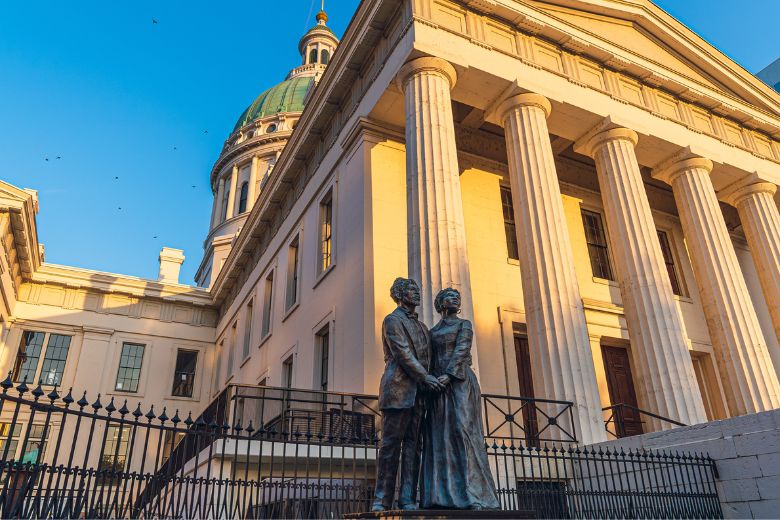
262,452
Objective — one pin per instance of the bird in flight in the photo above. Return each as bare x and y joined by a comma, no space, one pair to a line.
46,159
174,148
120,208
58,157
154,22
116,178
193,185
205,131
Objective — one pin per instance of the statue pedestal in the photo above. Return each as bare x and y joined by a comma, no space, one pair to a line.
437,514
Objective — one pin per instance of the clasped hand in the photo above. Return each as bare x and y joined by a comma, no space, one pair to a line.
435,384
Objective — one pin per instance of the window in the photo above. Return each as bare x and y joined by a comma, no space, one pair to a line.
29,354
324,57
129,367
313,56
666,250
270,129
54,360
292,274
243,197
509,223
287,372
597,245
115,448
171,441
232,350
34,447
247,329
326,233
27,358
184,374
225,198
267,302
323,349
218,369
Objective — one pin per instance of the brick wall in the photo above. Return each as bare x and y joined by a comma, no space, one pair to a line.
747,454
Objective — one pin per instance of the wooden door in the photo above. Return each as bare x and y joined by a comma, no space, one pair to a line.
620,384
525,379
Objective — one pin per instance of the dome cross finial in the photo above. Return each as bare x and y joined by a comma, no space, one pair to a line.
322,16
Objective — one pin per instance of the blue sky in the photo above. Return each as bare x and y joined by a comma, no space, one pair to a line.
137,111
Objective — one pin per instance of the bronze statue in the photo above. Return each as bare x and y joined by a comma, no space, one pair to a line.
455,469
405,341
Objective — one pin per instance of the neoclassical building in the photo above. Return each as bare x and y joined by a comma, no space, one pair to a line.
596,179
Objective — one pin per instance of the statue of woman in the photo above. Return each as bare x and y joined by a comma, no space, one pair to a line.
455,470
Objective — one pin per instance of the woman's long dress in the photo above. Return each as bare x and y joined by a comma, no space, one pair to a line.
455,470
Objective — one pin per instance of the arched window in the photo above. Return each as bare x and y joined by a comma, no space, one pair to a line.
244,196
324,57
271,128
313,56
225,198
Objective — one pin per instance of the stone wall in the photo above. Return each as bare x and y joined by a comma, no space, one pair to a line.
746,450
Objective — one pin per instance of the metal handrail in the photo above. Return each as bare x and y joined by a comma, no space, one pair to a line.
616,417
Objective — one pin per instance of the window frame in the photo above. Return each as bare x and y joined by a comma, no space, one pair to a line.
605,248
507,203
323,348
176,372
246,345
42,357
140,366
328,198
292,294
672,263
267,310
243,199
225,199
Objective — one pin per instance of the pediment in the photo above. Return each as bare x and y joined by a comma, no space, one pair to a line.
639,31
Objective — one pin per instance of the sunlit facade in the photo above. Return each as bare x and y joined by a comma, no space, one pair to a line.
597,180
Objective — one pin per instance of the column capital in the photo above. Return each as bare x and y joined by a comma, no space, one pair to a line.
601,134
679,163
523,100
430,64
738,193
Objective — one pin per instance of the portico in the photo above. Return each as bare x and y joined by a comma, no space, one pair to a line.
628,128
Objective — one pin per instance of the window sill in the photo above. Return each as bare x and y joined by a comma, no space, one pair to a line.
181,398
291,310
322,275
685,299
604,281
245,361
512,261
264,339
125,393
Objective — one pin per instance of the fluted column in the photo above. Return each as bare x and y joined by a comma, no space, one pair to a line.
659,350
217,213
557,333
252,196
436,231
761,223
740,348
231,209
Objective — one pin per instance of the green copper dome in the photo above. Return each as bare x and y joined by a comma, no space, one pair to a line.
287,96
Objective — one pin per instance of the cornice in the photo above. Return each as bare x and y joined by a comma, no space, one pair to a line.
717,114
74,277
248,147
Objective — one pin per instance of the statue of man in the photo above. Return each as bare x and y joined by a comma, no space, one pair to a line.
406,344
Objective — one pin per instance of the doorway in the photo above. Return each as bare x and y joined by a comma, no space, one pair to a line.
526,385
620,384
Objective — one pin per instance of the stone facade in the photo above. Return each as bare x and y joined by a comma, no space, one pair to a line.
599,182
